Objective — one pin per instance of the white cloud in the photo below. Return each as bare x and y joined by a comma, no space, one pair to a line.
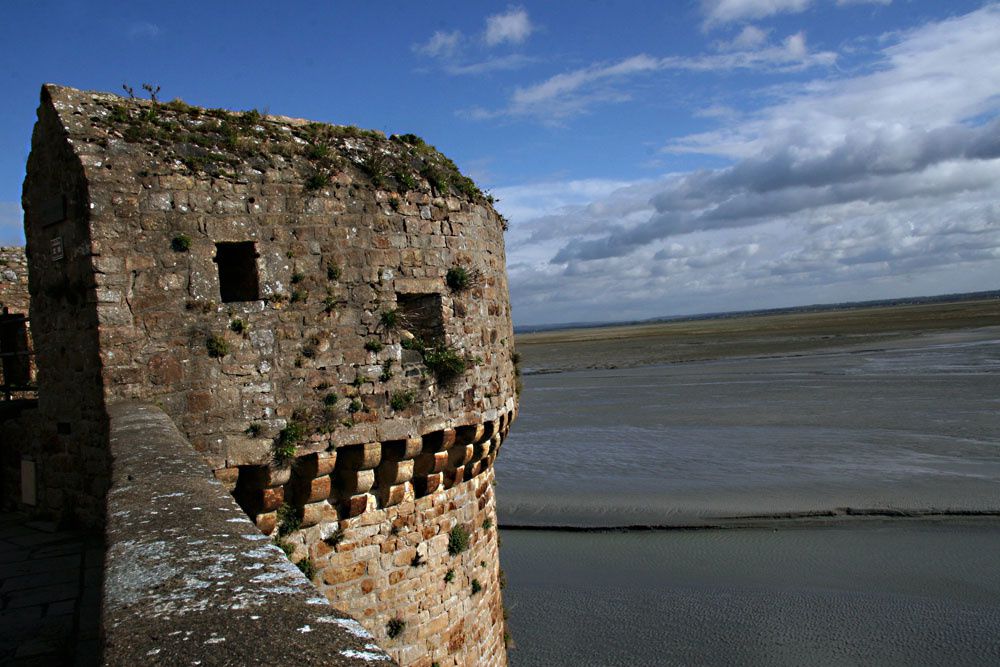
502,63
440,45
750,37
511,27
879,185
456,54
571,93
143,30
11,223
721,12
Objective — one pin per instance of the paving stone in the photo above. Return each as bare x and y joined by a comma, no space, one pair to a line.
39,580
42,595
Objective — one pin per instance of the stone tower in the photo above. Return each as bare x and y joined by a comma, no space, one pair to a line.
321,310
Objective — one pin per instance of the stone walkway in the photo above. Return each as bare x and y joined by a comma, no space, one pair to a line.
50,585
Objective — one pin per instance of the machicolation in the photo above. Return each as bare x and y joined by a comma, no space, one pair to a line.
321,311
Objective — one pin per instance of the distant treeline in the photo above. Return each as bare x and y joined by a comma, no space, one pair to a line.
814,308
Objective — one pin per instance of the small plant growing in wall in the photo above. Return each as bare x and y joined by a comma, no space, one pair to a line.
254,430
374,345
237,325
487,523
288,520
444,362
285,443
317,151
330,400
458,540
386,373
402,399
395,627
307,567
389,319
460,278
405,180
329,304
332,272
476,586
449,576
181,243
217,346
334,538
355,406
317,181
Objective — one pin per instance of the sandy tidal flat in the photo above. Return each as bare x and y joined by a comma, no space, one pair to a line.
809,443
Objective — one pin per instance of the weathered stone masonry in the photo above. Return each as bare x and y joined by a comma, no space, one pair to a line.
324,314
13,279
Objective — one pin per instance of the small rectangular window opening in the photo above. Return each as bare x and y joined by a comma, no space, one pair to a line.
237,264
421,315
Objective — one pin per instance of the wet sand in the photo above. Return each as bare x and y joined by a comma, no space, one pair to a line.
786,457
909,426
875,593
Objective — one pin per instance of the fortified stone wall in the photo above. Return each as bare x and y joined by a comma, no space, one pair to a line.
71,428
321,310
13,279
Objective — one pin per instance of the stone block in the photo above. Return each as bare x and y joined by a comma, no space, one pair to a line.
430,463
347,483
395,494
424,486
339,575
454,476
319,489
359,457
466,435
459,455
317,513
272,498
267,522
389,473
353,506
244,450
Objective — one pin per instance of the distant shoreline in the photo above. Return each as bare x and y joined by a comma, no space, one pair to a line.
787,310
756,335
807,519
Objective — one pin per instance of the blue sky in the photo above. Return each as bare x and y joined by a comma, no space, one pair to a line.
654,158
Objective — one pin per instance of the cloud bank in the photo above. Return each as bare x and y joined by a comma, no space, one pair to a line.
858,187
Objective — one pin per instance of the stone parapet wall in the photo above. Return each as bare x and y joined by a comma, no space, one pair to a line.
190,580
14,279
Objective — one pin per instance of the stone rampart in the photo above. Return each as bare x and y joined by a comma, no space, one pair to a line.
322,311
13,279
188,578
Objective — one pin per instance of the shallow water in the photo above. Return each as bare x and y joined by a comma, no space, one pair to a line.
904,592
913,426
